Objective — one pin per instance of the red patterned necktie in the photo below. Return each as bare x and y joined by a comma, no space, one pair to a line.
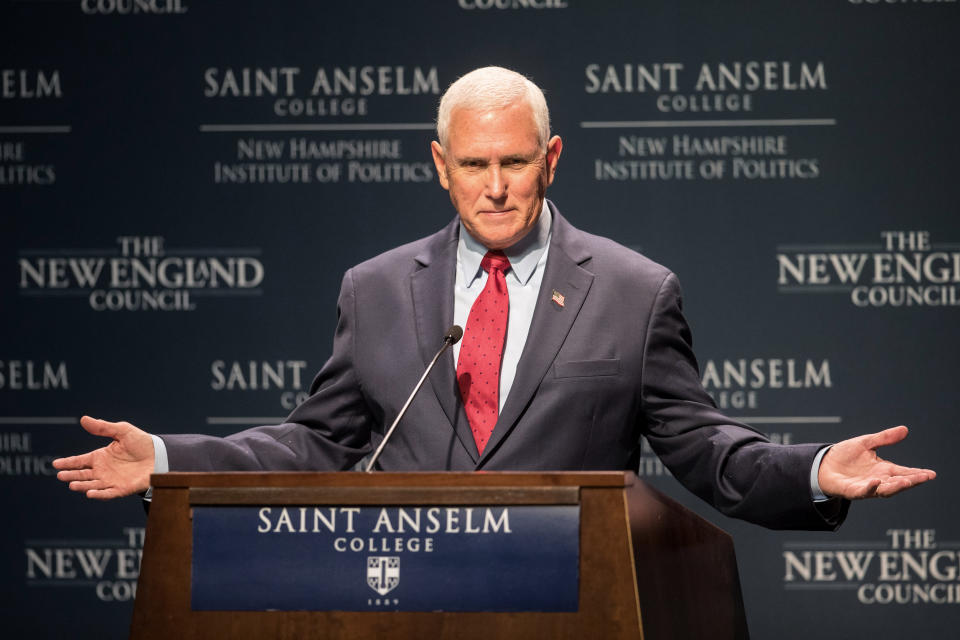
478,368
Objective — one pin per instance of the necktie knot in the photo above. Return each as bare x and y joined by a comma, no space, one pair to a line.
495,261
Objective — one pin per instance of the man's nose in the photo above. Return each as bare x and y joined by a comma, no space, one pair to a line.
496,187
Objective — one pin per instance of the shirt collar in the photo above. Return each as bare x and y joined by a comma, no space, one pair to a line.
523,256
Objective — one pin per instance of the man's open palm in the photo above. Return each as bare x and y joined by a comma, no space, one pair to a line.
118,469
852,469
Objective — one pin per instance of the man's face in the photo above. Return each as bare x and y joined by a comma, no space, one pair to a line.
495,172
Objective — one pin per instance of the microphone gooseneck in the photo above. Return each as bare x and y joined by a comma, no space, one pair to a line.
451,338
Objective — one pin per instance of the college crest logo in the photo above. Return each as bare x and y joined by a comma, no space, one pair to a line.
383,573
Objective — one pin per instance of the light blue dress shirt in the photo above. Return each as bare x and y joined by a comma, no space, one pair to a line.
527,260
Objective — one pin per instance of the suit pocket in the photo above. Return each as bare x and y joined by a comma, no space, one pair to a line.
585,368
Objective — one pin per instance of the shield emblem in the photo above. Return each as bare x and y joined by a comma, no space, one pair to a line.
383,573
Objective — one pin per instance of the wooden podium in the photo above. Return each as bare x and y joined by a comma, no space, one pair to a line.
648,567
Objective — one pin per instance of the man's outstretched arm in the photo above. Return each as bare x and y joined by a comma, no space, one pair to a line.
852,469
118,469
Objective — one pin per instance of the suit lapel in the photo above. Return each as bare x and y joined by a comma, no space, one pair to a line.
549,327
432,287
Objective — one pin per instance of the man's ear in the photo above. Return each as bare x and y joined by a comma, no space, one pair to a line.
554,147
440,163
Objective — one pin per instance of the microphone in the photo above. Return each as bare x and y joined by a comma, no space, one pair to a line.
451,338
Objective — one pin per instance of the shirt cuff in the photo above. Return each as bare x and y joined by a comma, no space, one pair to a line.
815,492
160,462
162,465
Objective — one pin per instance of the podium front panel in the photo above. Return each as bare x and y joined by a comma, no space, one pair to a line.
388,558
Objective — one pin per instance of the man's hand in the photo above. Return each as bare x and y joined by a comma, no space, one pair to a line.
118,469
852,469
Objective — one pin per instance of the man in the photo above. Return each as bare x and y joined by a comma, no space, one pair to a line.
574,348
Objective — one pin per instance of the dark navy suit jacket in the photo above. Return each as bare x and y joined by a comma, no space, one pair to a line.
610,365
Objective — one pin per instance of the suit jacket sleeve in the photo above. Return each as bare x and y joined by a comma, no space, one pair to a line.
728,464
329,431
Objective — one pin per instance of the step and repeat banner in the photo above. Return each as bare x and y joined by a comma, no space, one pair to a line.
184,182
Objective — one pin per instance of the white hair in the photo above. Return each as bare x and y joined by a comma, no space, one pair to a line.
490,88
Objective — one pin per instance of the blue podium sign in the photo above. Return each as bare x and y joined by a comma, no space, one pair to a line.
420,558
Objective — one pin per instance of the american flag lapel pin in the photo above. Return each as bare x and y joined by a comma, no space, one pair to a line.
557,298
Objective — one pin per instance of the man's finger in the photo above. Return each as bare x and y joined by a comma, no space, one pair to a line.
75,474
105,494
82,461
897,484
897,470
102,427
869,489
87,485
894,486
886,437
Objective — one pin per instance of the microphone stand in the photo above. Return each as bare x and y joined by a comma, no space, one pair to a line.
453,336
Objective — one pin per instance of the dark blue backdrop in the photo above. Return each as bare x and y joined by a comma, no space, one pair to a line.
227,161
